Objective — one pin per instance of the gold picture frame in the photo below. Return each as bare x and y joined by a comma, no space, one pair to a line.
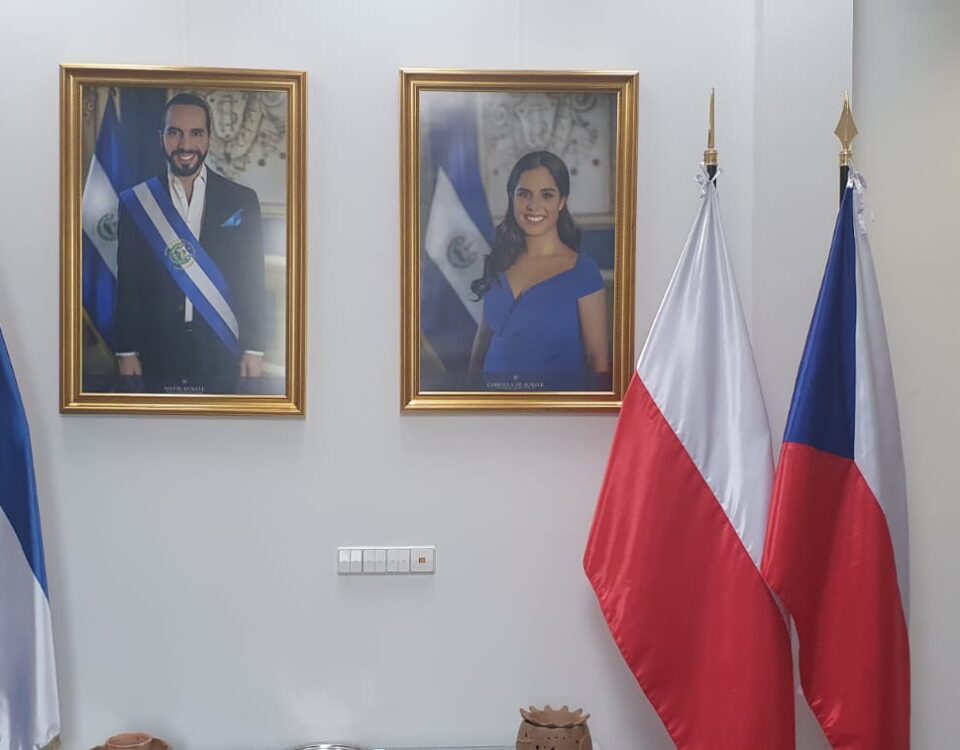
466,139
239,347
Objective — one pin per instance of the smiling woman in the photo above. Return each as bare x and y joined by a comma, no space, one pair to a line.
544,304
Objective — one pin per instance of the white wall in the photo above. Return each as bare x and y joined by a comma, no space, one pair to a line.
190,560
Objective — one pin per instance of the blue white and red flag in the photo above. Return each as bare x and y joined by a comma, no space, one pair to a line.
836,547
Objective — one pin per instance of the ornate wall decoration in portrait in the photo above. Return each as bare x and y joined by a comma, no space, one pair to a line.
182,232
518,193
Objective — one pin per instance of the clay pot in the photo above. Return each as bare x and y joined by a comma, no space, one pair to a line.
554,729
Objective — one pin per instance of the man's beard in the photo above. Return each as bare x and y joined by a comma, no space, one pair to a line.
185,171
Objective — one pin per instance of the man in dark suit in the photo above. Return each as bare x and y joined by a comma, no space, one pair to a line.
161,335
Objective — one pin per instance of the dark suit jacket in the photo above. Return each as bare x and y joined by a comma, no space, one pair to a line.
149,313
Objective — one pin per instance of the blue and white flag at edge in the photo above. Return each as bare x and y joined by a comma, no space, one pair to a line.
458,236
100,201
29,713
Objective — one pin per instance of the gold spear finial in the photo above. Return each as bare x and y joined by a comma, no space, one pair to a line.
710,155
846,131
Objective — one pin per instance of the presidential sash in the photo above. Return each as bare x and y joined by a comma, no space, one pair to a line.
183,257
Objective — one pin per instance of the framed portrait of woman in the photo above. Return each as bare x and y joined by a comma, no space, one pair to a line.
182,240
518,205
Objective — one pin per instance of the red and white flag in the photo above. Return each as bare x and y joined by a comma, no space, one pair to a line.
836,550
677,537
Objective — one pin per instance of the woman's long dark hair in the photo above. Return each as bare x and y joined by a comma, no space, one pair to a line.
510,240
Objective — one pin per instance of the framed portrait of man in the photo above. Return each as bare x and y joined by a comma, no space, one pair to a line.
518,193
182,240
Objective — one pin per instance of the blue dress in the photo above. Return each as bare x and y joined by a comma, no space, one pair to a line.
537,343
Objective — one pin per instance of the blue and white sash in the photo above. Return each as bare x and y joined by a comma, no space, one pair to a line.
184,258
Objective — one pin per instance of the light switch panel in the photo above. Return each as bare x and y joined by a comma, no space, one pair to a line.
386,560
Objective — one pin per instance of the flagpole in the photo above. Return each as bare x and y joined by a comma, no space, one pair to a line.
846,131
710,156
